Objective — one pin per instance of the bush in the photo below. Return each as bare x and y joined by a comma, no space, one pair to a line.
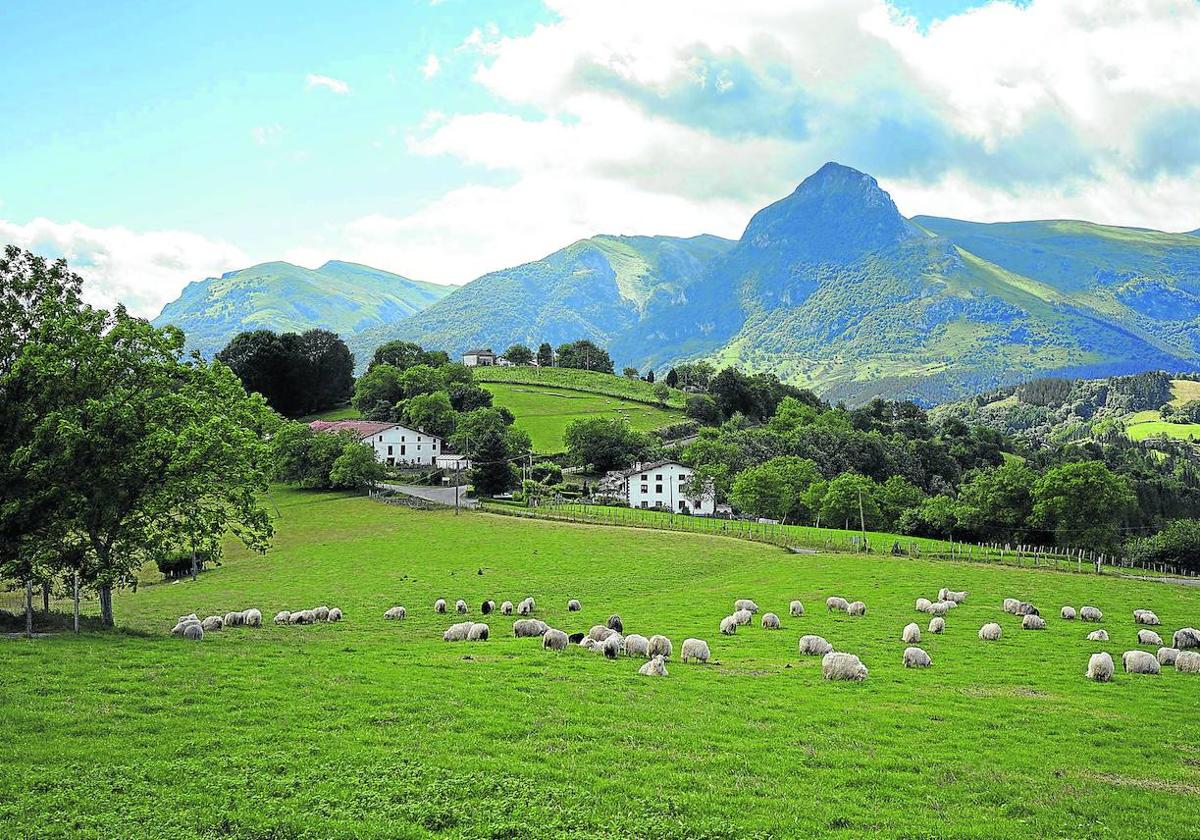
1177,544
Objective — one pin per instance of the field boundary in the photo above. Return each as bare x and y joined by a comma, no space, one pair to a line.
534,376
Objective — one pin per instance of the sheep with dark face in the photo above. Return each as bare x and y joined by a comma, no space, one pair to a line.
911,634
636,645
460,606
193,631
729,625
694,650
914,657
574,606
1167,656
478,633
836,604
526,607
745,604
283,617
1068,613
1090,614
335,614
1188,662
527,628
1033,622
796,609
1100,667
1149,637
439,606
1098,636
656,667
857,608
614,623
843,666
1145,617
743,617
613,646
487,607
554,640
396,614
506,608
990,632
770,621
660,646
1187,638
814,646
1140,662
212,622
937,624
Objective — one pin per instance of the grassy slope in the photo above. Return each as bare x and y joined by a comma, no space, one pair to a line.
377,729
544,412
588,381
1146,424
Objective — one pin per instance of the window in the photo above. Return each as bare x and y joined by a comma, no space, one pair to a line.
389,450
401,449
381,438
658,477
645,504
657,488
645,489
643,477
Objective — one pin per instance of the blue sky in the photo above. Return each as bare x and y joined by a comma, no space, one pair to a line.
154,144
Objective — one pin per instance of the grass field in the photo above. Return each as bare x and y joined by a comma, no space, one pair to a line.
588,381
1146,424
345,412
377,729
544,412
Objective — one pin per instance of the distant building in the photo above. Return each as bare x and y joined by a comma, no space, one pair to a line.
452,462
660,485
393,444
480,358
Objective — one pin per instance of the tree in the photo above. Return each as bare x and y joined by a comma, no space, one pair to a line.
431,413
605,444
469,397
271,365
938,516
631,373
584,355
997,503
492,471
404,354
661,392
356,468
1178,544
840,504
421,379
672,379
650,376
377,392
331,365
545,355
703,409
1084,504
473,427
519,354
894,497
761,491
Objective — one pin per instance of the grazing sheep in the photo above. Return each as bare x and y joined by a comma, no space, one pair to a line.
478,633
506,608
937,625
525,628
296,617
599,632
636,645
836,603
729,625
1167,656
1100,667
1010,605
1090,614
660,646
487,607
588,643
188,617
213,622
526,607
656,667
574,606
335,614
303,617
1145,617
179,628
923,605
614,623
439,606
193,631
745,604
396,613
696,649
1098,636
1033,622
814,646
990,632
914,657
1028,609
951,595
460,606
233,619
770,621
939,609
1149,637
283,617
1188,637
613,646
554,640
1140,662
252,618
457,632
743,616
843,666
857,608
1188,662
322,613
1068,613
796,609
911,634
576,638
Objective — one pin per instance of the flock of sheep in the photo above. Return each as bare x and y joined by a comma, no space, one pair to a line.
193,628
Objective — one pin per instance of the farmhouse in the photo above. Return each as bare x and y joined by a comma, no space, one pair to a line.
480,358
662,484
393,443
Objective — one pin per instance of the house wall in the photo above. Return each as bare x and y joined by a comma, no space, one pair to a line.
401,445
661,487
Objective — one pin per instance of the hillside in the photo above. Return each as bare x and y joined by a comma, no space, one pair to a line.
339,296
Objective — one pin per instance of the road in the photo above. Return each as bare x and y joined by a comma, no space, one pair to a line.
437,495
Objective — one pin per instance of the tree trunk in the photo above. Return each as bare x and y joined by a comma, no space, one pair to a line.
46,597
193,564
75,587
28,607
106,614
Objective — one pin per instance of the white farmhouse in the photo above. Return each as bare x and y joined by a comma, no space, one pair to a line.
480,358
661,485
393,443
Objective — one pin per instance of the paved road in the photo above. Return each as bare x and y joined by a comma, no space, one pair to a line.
437,495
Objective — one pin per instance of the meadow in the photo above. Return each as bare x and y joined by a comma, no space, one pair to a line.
370,728
587,381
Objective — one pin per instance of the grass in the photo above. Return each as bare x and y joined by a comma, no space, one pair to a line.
345,412
588,381
544,412
376,729
1184,391
1147,424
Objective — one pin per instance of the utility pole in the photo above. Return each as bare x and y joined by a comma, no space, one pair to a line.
456,465
75,593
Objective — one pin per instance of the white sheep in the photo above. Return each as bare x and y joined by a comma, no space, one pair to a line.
614,623
303,617
439,606
914,657
637,645
335,614
796,609
554,640
745,604
939,609
990,632
770,621
1167,655
457,632
460,606
612,646
694,649
1068,613
588,643
478,633
729,625
1090,614
1188,662
911,634
322,613
506,608
183,625
656,667
193,631
1027,609
213,622
233,619
574,606
396,614
951,595
836,603
1145,617
526,607
283,617
1010,605
252,618
937,625
487,607
814,646
923,605
1100,667
1098,636
743,616
660,646
1149,637
1187,638
524,628
188,617
599,632
1033,622
843,666
857,608
1140,662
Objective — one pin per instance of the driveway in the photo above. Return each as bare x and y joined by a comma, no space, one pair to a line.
437,495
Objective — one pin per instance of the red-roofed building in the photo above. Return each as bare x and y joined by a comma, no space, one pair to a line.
393,443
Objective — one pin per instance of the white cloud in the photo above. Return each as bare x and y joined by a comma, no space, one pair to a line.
314,80
263,135
141,270
431,66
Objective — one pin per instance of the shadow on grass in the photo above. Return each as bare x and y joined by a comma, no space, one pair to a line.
56,623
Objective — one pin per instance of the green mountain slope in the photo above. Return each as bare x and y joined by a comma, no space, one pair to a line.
339,296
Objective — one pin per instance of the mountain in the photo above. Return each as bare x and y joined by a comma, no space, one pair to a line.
340,296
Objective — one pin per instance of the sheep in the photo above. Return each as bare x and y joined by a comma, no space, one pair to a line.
335,614
396,614
188,617
588,643
660,646
322,613
614,623
1098,636
694,649
180,627
843,666
1068,613
1140,662
656,667
742,616
526,607
283,617
951,595
729,625
637,645
1149,637
524,628
212,622
745,604
836,603
914,657
612,646
1188,637
1100,667
1090,614
252,618
574,606
233,619
939,609
193,631
439,606
478,633
911,634
506,608
1188,662
599,632
814,646
457,632
1027,609
923,605
770,621
460,606
796,609
303,617
487,607
1010,605
990,632
1145,617
1033,622
1167,655
937,624
857,608
576,638
554,639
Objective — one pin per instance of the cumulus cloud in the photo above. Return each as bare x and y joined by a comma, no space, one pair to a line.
431,66
142,270
315,80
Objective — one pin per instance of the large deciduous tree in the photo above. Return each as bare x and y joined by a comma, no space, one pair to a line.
1084,504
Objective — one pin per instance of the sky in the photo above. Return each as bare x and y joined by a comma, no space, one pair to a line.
158,144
